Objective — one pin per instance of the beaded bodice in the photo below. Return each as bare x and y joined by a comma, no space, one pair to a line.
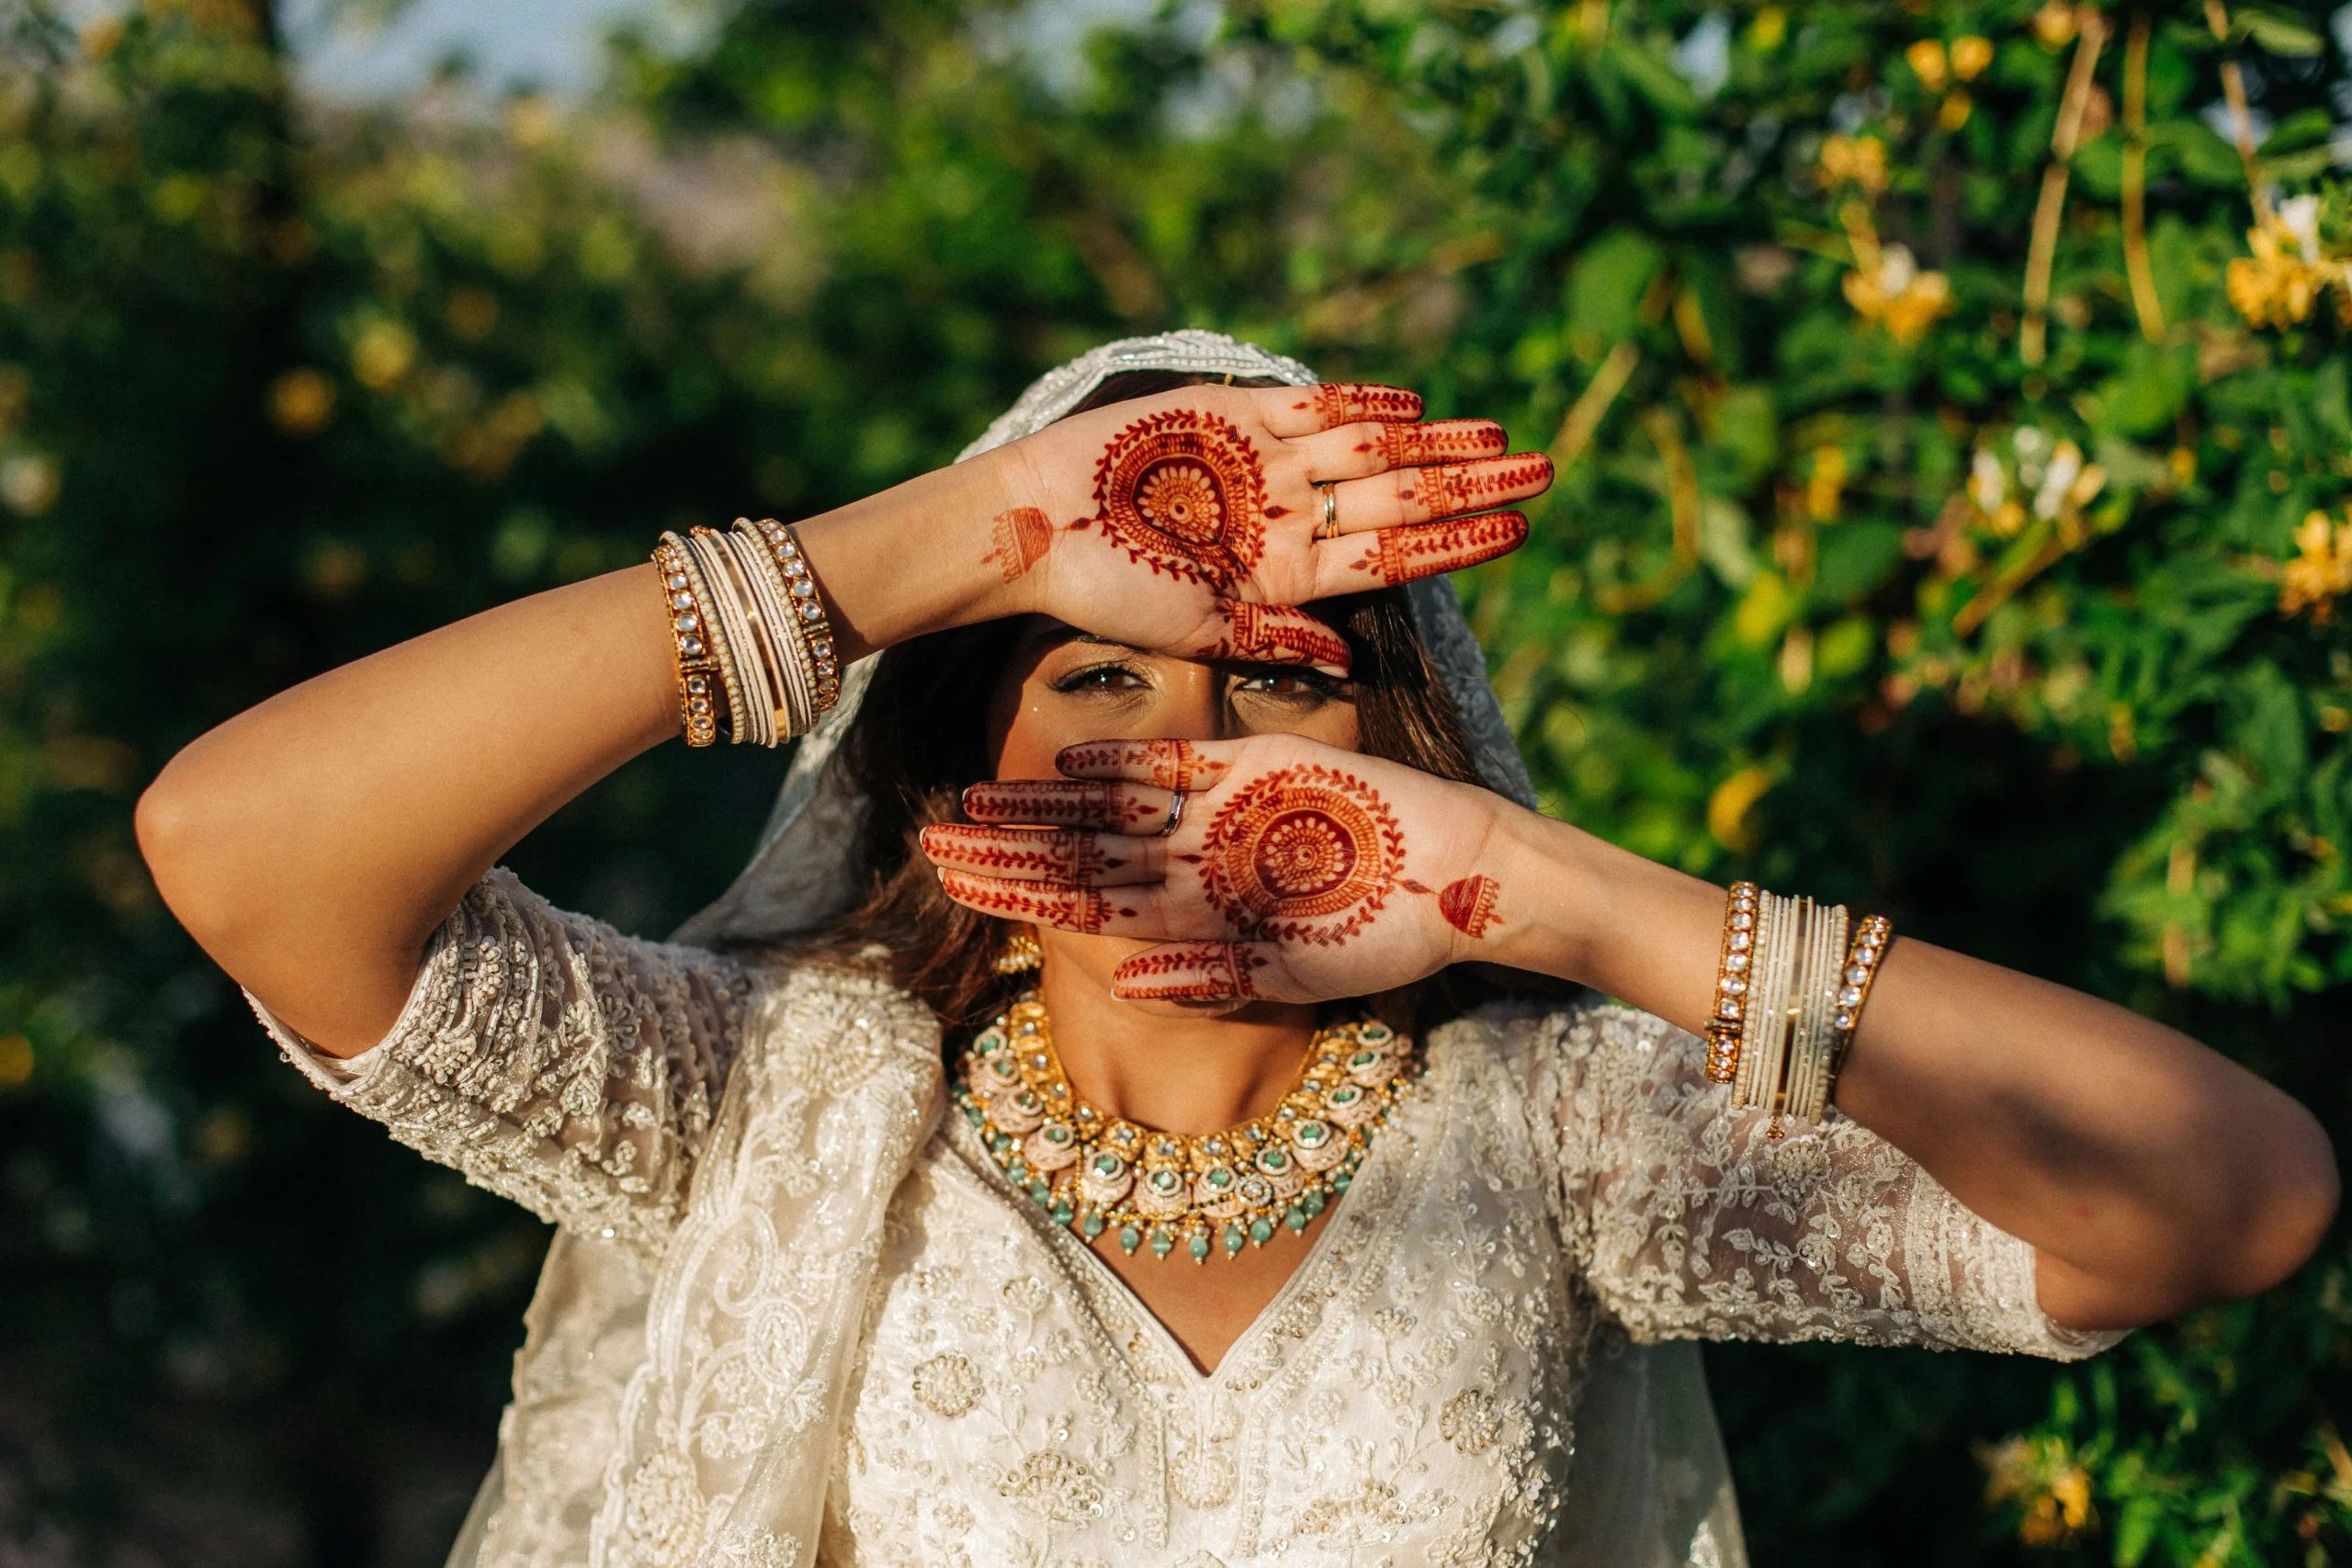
822,1325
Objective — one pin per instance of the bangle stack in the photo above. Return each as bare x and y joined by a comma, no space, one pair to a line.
1790,986
753,643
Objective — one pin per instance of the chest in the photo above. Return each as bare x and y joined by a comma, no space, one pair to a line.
1406,1382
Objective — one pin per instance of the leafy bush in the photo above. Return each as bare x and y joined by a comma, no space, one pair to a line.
1956,451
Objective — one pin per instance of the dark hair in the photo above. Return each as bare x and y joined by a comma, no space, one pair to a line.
920,736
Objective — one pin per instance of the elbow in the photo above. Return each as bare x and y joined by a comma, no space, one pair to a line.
178,838
2287,1215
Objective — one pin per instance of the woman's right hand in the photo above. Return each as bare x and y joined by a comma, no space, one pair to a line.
1191,521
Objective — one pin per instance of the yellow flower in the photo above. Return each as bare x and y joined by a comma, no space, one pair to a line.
1897,294
1926,59
1862,159
1969,56
2042,1476
2280,282
2322,572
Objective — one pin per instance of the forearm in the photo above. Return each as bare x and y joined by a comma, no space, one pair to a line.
2149,1172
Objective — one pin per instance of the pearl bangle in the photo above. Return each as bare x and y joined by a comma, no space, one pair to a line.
693,636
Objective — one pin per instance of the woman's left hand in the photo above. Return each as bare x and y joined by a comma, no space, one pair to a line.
1296,872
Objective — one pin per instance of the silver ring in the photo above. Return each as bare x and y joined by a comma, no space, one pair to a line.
1175,816
1331,525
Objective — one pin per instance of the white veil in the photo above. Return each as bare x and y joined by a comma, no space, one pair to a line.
1651,1487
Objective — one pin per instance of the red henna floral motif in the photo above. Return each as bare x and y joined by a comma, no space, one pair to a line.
1061,803
1182,491
1170,764
1468,904
1023,536
1276,634
1188,972
1445,440
1056,855
1423,549
1343,402
1449,488
1079,910
1307,853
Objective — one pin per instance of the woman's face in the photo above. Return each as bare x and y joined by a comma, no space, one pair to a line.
1061,686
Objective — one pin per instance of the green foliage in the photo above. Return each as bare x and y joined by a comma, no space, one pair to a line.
1844,585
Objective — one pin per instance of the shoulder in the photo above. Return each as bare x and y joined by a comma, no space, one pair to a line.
824,1009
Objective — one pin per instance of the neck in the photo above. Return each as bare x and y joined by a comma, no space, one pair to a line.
1173,1075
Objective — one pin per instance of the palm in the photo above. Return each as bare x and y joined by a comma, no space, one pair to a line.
1189,521
1297,871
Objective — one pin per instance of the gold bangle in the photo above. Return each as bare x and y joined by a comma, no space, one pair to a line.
699,696
1871,939
1733,969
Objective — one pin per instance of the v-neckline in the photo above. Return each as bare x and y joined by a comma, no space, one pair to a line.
1060,1241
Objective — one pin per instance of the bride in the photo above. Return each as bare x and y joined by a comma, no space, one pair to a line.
1154,1096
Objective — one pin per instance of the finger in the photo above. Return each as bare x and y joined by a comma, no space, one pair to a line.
1416,495
1276,634
1045,854
1084,909
1147,912
1348,565
1069,803
1302,411
1200,972
1170,764
1441,441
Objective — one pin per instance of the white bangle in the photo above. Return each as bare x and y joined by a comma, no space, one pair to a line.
755,718
796,680
1764,1037
1812,1039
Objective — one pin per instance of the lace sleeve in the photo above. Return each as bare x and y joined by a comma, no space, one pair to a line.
552,1060
1691,1224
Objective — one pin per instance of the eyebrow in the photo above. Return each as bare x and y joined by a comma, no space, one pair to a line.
1059,633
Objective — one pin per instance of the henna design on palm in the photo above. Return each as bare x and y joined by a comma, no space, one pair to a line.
1183,492
1306,853
1343,402
1190,972
1468,904
1423,549
1443,441
1445,488
1170,764
1025,853
1083,909
1023,536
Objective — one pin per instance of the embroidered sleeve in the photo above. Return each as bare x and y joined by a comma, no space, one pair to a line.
1691,1224
552,1060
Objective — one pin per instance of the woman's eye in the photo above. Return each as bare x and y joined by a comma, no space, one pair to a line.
1302,685
1100,677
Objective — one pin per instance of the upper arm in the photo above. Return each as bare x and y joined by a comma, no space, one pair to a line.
554,1060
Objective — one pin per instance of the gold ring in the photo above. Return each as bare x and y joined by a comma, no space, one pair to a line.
1330,527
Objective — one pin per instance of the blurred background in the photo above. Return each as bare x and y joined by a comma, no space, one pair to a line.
1951,407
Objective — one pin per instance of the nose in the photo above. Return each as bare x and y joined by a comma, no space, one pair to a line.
1193,706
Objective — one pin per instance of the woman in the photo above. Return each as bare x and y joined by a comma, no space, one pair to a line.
1193,1254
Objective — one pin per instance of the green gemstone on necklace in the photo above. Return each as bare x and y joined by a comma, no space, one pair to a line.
1312,1134
1040,1194
1295,1219
1091,1226
1234,1240
1165,1182
1219,1176
1341,1180
1262,1230
1199,1246
1016,1168
1057,1134
1363,1058
1061,1214
1129,1239
1163,1242
974,1114
1108,1164
1313,1202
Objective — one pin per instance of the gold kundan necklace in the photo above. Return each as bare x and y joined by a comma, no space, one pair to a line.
1094,1172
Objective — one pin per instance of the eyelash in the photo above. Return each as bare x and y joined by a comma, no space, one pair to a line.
1096,677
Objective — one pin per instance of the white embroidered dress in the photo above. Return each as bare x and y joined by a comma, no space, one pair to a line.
793,1315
